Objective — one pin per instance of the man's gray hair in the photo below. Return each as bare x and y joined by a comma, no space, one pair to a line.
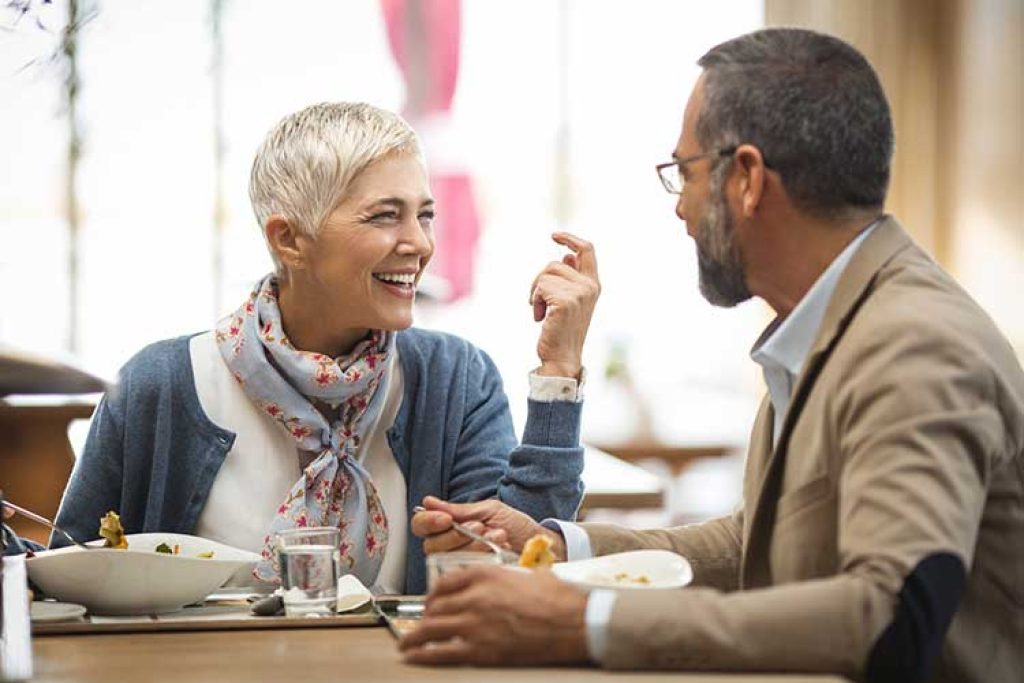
308,160
814,107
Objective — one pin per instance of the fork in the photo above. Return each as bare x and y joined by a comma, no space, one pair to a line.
505,555
42,520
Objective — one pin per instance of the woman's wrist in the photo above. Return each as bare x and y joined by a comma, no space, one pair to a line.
560,369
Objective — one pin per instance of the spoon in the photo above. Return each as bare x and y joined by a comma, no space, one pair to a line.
42,520
505,555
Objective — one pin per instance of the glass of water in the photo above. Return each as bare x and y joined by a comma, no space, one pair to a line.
439,564
310,567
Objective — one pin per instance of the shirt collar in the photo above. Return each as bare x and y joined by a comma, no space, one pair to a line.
786,343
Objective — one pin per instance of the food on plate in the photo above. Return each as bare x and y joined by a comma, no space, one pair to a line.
113,535
537,553
176,550
619,579
112,532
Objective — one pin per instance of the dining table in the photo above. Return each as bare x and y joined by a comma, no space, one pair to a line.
365,653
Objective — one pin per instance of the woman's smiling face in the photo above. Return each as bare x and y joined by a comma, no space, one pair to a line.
362,269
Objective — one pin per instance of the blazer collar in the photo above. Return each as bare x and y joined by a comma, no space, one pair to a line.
887,240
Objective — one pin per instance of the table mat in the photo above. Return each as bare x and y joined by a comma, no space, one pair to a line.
211,616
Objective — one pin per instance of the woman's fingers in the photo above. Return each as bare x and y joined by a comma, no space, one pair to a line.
434,525
462,512
586,258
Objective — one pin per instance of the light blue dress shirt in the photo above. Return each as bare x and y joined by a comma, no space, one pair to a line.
781,351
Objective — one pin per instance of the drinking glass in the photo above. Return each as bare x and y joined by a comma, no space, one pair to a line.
310,567
439,564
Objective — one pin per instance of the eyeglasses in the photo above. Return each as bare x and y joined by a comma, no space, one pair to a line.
671,173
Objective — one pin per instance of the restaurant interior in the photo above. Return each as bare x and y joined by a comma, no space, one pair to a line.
127,130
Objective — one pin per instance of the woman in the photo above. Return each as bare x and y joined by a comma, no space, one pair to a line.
315,403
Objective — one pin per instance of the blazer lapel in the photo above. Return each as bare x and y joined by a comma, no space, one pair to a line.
854,285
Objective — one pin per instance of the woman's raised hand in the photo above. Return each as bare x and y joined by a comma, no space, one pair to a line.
563,296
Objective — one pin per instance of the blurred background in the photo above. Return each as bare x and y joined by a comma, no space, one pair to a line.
127,128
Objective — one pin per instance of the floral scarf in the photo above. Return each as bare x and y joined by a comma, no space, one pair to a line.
335,490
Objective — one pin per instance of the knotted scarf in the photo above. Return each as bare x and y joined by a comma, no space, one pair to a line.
296,388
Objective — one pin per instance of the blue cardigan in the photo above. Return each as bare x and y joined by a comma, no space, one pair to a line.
152,454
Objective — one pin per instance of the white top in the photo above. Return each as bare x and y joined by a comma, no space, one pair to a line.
263,464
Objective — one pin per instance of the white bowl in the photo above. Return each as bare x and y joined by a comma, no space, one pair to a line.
637,569
138,580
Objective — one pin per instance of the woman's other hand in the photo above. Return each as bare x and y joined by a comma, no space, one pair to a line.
493,519
563,295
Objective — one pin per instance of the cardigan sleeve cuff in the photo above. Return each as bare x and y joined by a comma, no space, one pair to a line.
553,423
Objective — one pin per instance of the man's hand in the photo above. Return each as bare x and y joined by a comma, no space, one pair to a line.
491,616
563,295
491,518
8,512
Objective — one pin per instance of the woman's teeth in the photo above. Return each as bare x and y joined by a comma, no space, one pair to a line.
396,278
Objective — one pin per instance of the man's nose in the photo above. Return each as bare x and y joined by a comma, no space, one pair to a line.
680,208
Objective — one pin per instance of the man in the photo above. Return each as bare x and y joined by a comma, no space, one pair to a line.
881,534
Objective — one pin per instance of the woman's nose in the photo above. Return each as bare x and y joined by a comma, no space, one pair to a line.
417,238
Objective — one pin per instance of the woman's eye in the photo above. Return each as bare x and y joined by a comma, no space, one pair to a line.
384,217
426,216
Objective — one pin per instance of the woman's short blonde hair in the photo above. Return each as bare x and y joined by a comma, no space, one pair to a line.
308,160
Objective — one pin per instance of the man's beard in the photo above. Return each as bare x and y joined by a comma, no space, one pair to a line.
722,281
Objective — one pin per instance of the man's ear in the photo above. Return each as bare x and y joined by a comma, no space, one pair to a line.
753,176
283,239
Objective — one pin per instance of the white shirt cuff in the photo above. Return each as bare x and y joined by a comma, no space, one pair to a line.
577,543
597,618
599,602
547,389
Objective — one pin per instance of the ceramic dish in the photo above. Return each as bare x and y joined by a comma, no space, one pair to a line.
637,569
138,580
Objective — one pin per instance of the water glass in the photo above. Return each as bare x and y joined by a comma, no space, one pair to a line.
310,566
439,564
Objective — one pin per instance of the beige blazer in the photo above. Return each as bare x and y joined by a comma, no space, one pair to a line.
894,496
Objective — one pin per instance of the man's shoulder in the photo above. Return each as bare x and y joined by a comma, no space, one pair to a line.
916,310
914,294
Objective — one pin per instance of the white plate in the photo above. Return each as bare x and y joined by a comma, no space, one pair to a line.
637,569
137,580
43,612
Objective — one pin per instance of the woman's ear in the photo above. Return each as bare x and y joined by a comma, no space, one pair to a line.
283,239
750,163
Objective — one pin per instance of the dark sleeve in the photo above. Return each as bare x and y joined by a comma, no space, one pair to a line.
540,476
16,545
96,480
